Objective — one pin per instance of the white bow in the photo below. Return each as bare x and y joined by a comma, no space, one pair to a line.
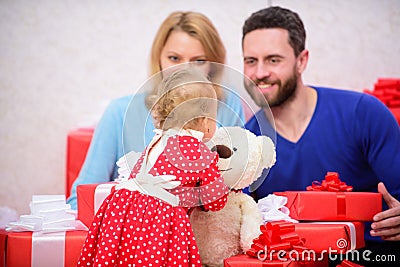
125,165
272,208
155,186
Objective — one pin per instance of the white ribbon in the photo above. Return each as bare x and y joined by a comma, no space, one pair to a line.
155,186
100,193
272,208
41,255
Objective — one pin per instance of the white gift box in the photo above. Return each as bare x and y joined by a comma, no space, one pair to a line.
49,213
46,203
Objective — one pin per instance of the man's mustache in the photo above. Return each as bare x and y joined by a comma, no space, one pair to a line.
263,80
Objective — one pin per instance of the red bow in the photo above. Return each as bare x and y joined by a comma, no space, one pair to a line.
276,241
331,183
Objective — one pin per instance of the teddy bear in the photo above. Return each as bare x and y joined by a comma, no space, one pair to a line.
242,158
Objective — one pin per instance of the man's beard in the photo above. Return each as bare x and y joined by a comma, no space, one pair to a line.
285,92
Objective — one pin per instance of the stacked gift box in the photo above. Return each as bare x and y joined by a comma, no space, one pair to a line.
90,197
49,236
49,213
330,222
78,141
388,91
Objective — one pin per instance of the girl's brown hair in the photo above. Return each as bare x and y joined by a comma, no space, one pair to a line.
182,98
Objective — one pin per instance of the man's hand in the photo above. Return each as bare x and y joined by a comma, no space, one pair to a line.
387,223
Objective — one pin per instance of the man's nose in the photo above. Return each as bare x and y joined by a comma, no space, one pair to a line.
262,71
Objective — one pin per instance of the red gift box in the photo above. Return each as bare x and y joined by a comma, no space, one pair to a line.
332,237
90,197
387,83
3,242
244,260
396,112
38,249
78,142
332,206
332,200
388,91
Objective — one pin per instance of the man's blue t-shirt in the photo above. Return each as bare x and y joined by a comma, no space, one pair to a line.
351,133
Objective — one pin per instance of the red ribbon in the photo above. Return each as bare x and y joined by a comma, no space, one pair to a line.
347,263
331,183
276,240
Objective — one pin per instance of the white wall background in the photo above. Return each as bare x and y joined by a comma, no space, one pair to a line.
62,61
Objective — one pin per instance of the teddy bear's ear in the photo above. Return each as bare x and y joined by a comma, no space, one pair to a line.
268,153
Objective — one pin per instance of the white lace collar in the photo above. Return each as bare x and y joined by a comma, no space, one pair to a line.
164,135
182,132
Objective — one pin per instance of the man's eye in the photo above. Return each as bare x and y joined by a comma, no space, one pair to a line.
274,60
249,61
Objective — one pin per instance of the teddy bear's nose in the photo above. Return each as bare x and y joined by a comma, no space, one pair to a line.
223,151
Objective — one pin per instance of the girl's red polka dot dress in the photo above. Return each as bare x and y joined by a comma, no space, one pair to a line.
136,229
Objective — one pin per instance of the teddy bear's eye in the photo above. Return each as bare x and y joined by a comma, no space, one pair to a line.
234,149
223,151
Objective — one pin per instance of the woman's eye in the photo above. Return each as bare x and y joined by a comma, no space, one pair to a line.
173,58
199,61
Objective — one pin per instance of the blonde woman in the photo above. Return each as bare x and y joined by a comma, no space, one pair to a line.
182,37
144,221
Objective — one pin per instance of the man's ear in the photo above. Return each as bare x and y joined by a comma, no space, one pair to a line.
302,61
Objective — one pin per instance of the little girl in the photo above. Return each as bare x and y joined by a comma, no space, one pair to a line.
144,221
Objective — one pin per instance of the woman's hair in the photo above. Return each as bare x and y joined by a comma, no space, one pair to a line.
198,26
182,98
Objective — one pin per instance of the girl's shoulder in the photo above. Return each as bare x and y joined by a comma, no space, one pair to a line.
188,151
